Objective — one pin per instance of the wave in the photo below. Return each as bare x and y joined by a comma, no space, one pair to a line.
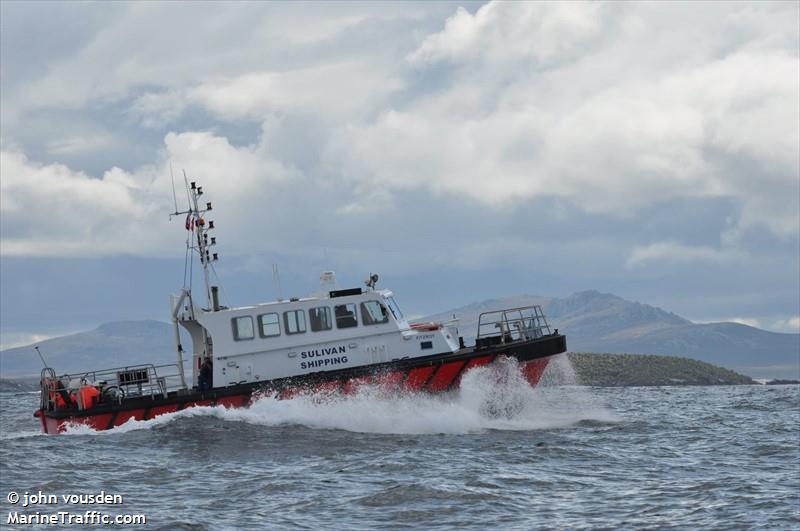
494,397
20,435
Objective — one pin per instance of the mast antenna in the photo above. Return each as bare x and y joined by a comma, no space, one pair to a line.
174,196
198,228
41,357
276,279
188,193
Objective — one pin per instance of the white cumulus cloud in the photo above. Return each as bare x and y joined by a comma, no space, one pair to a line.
609,108
503,31
647,112
52,210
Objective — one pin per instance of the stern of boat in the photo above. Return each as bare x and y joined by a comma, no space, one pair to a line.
94,398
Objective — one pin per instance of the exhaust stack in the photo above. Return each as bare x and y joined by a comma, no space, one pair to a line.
215,297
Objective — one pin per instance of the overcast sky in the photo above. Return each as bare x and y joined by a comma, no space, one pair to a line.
463,151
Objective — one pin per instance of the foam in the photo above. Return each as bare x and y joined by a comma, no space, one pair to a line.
495,397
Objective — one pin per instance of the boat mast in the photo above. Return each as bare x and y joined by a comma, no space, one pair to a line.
203,244
196,222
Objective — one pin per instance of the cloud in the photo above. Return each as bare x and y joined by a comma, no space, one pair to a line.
52,210
746,321
21,339
346,89
269,53
79,144
334,89
784,324
512,146
676,253
504,32
535,104
158,109
609,111
790,324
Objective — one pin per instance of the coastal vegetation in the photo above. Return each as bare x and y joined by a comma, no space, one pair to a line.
619,370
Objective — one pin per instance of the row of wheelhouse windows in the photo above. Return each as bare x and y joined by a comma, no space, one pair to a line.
319,319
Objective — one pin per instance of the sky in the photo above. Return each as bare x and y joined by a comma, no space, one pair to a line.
461,150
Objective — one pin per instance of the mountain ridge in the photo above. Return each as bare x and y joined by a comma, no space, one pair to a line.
591,320
603,322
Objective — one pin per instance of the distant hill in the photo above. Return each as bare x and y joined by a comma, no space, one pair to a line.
109,345
592,322
601,322
587,314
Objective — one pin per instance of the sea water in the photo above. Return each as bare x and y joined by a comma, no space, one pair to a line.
494,454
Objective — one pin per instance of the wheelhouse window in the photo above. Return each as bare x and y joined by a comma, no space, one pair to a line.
373,312
269,325
345,315
395,309
243,328
320,318
294,321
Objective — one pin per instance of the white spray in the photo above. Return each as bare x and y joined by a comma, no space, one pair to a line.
495,397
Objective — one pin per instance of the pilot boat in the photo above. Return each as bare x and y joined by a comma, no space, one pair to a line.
336,341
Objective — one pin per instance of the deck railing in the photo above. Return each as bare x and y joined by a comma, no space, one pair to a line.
114,384
510,325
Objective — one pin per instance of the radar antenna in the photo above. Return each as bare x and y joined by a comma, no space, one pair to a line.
371,280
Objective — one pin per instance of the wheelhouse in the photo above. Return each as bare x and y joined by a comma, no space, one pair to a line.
341,329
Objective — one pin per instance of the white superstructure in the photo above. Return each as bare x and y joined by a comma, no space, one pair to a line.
333,330
297,337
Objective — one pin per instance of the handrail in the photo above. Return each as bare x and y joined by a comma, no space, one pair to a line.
512,324
48,386
114,384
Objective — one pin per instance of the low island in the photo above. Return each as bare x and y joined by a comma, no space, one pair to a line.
620,370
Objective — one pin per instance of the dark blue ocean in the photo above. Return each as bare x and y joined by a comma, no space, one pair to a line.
495,454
